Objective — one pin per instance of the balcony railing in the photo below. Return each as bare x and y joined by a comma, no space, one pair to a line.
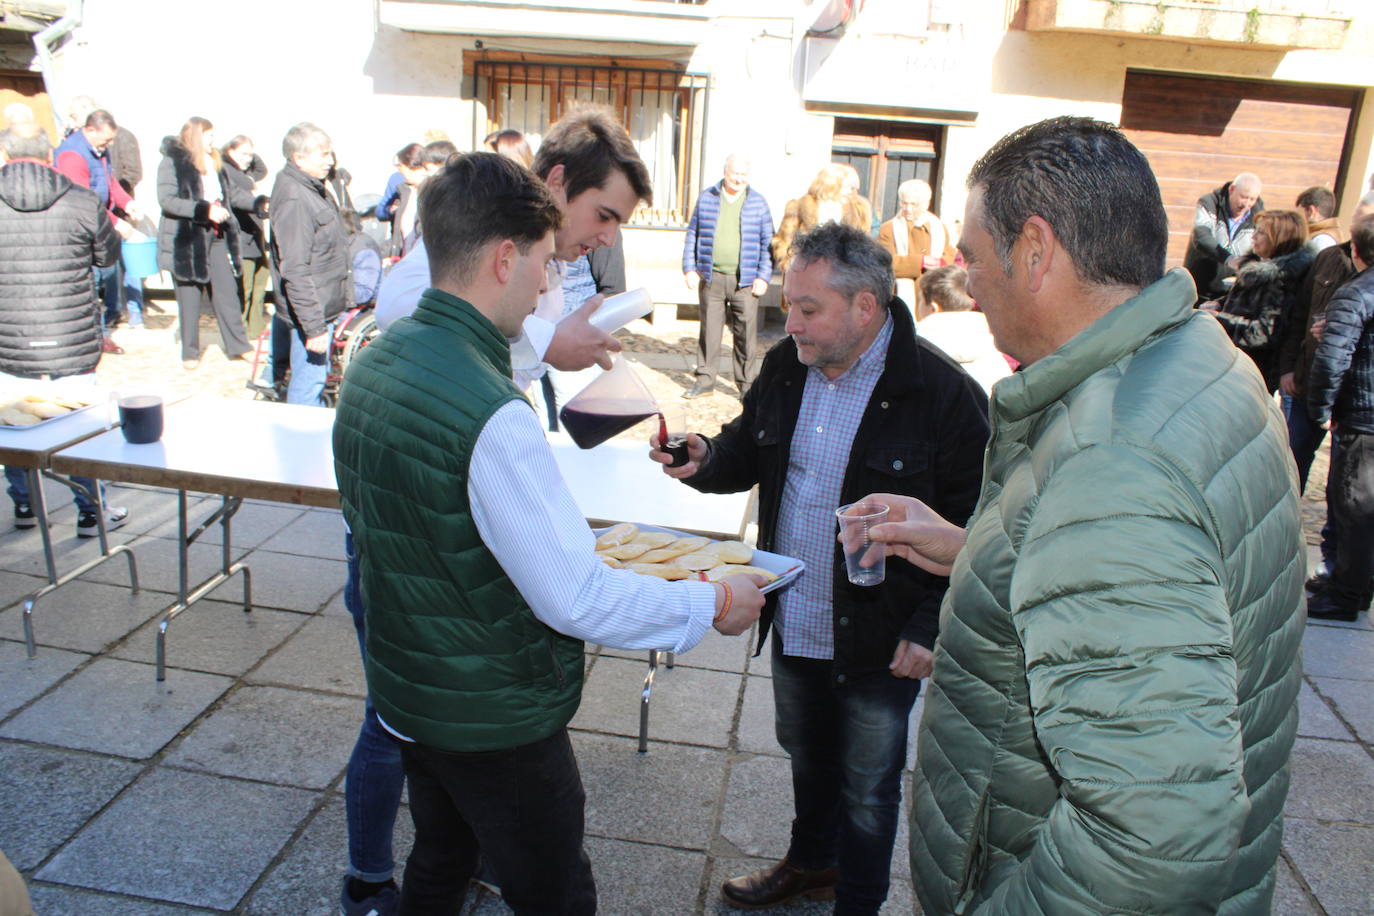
1284,24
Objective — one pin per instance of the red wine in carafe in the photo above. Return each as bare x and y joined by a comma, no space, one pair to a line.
594,420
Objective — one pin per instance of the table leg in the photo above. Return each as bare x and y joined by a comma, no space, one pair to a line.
186,596
644,701
40,510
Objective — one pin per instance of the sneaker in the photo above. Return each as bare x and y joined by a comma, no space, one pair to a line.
87,526
386,902
1317,582
24,517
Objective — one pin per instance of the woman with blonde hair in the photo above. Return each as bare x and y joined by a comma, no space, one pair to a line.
198,240
832,198
1264,297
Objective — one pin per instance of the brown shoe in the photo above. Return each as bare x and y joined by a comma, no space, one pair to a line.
778,884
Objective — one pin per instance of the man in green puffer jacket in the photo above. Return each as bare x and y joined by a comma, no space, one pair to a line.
1113,702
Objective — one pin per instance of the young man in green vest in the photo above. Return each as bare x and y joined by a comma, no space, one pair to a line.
479,574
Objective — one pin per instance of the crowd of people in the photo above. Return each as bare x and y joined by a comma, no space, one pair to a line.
1099,584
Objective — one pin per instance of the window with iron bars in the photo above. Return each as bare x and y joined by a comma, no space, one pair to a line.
662,110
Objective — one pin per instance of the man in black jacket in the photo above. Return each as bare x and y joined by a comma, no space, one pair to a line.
852,403
1341,398
309,261
52,232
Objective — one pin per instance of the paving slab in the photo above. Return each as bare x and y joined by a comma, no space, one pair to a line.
1336,861
1315,718
307,879
153,511
288,582
253,524
757,732
47,794
1331,780
52,900
25,554
214,636
322,655
715,651
312,534
1354,701
689,705
637,879
1338,652
335,607
85,616
1289,897
183,837
17,586
286,737
626,790
25,678
117,707
157,566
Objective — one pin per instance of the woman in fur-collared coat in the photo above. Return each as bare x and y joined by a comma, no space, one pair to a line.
197,241
1261,303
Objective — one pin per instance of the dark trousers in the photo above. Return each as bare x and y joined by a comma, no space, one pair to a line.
848,746
253,294
220,294
1304,438
1352,491
521,809
720,297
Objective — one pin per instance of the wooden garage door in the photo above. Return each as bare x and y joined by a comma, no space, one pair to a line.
1198,133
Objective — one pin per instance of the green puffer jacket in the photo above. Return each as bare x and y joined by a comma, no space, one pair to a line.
1114,699
455,657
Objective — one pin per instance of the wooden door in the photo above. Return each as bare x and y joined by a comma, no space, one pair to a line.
1199,133
18,86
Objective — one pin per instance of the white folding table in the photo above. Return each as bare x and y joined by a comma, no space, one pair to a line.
236,449
32,449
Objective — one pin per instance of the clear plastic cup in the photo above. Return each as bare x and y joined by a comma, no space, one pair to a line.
854,520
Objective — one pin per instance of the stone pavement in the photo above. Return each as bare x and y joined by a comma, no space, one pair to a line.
220,791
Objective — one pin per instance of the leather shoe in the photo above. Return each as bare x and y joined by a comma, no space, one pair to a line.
778,884
1325,606
700,389
1317,582
109,346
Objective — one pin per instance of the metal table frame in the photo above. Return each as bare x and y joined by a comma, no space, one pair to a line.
208,457
32,449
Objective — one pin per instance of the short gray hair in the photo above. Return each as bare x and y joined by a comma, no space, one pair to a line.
857,262
301,139
25,145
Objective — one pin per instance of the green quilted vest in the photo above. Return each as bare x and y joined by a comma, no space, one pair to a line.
455,657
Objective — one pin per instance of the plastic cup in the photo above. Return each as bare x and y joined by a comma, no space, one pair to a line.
855,519
675,443
140,418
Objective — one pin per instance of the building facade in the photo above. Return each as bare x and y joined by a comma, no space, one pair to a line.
897,88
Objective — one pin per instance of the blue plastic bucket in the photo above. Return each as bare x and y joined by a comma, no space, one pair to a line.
140,259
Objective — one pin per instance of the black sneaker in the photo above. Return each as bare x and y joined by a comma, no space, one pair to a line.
88,526
1317,582
24,517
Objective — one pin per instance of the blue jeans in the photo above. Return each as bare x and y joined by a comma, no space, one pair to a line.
109,284
848,746
19,489
133,298
372,793
309,371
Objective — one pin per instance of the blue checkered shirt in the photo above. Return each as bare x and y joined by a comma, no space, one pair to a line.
826,423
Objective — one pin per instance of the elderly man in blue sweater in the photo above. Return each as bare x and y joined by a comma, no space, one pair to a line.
726,260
